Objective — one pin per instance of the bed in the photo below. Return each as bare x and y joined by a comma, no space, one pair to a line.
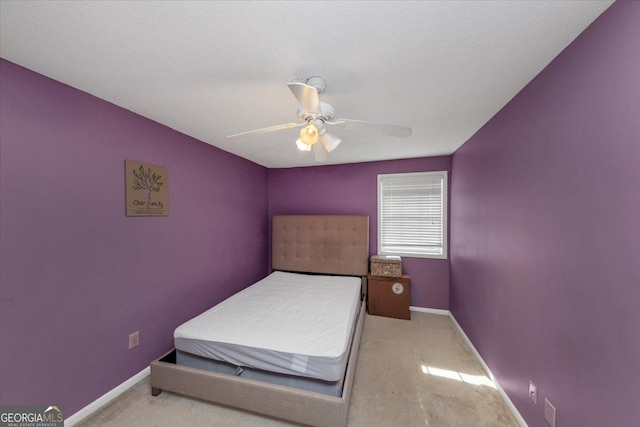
300,369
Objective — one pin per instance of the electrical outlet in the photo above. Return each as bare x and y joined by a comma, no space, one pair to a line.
533,392
550,413
134,339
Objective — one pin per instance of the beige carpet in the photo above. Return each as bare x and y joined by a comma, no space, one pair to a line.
409,373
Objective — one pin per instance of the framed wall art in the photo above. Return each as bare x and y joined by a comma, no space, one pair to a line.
147,189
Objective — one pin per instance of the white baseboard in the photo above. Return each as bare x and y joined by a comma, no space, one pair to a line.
106,398
510,405
431,310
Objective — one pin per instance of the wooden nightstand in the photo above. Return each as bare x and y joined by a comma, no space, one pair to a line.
390,296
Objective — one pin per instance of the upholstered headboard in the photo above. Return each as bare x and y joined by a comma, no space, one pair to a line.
328,244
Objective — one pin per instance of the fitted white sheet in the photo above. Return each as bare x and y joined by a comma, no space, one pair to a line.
289,323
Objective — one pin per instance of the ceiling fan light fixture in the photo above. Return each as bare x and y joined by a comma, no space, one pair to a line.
329,140
302,146
309,134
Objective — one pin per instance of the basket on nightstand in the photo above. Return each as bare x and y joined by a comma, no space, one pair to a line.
386,266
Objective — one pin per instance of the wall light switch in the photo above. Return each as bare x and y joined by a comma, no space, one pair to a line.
134,339
533,392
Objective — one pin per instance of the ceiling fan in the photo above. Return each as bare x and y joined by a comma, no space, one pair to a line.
316,116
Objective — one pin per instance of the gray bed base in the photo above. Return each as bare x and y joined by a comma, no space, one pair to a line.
292,404
331,388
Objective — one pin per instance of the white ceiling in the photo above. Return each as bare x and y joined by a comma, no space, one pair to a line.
211,69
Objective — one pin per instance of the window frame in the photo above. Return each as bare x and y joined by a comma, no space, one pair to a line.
442,174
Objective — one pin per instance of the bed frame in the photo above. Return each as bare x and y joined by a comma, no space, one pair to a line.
326,244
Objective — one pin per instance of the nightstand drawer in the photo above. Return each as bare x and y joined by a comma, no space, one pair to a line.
390,296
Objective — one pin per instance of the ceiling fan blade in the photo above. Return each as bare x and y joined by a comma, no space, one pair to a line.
391,130
319,152
269,129
307,96
330,141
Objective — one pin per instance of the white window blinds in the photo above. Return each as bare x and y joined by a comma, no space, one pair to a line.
412,214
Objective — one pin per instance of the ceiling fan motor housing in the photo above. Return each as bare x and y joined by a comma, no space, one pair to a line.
328,113
318,82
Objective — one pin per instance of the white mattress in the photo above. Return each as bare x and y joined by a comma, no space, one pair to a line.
289,323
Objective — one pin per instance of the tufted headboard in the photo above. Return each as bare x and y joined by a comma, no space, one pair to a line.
328,244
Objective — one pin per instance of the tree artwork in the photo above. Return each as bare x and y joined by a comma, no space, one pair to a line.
142,181
147,181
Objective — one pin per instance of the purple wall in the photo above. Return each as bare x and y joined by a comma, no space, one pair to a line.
352,189
77,275
545,232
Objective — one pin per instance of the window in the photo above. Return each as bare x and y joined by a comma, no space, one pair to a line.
412,214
